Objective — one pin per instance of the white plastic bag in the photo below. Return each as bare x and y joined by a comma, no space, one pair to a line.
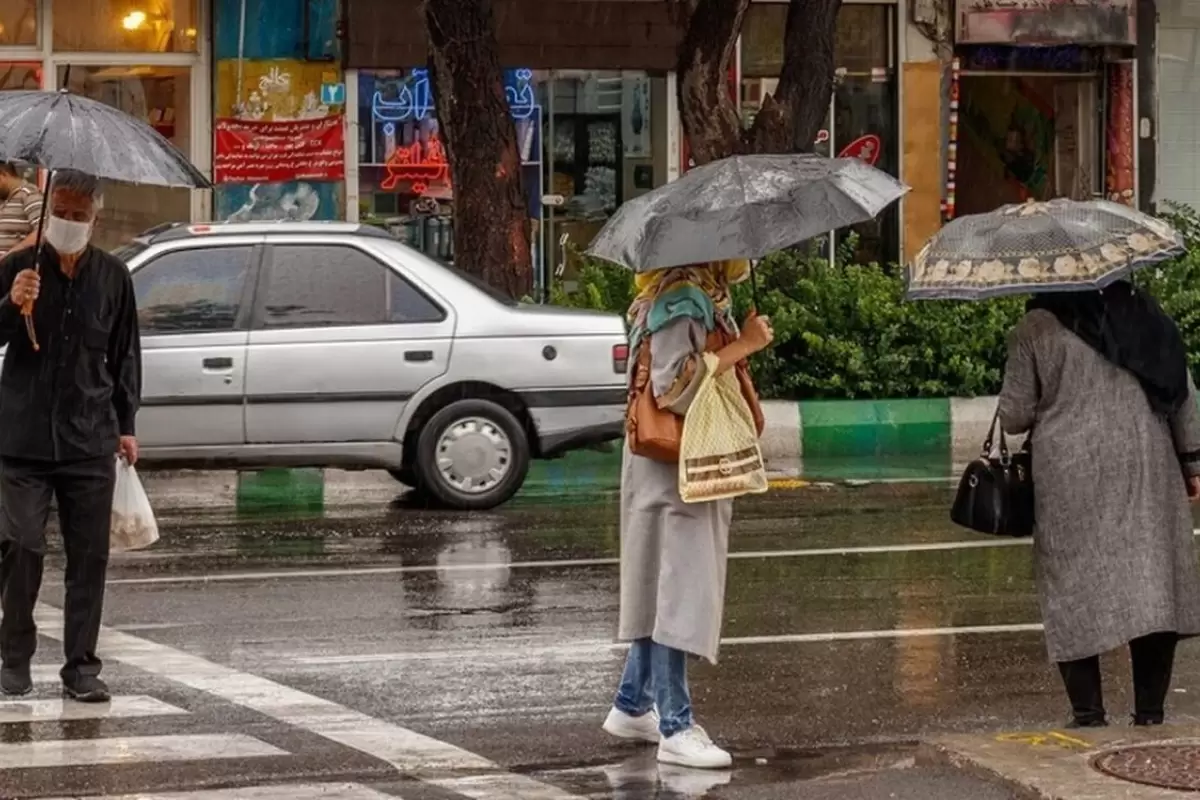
133,523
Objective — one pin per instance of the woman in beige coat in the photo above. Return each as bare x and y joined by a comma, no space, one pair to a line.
673,553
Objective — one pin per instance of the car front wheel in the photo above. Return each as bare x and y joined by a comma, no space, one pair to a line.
472,455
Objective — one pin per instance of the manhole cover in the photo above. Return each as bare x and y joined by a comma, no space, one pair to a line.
1169,766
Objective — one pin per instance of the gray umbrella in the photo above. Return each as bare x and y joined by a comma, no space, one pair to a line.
60,130
743,207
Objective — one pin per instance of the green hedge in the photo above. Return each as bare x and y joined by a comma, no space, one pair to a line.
844,331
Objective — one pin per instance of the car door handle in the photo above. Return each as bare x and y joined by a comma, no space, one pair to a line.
418,355
223,362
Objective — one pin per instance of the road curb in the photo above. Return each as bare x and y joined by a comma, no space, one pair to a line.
811,440
1051,764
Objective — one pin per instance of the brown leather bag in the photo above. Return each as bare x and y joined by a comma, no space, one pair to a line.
655,432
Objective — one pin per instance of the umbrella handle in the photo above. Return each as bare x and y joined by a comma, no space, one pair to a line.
27,308
753,288
27,312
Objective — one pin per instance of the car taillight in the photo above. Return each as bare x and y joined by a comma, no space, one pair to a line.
620,358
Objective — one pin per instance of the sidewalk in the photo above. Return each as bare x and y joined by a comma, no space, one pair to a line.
1067,764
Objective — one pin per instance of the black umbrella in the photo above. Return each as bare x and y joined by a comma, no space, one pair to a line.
64,131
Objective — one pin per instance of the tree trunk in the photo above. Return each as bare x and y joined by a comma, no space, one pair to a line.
491,222
790,119
710,118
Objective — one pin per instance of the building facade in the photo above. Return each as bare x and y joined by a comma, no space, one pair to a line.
147,57
323,109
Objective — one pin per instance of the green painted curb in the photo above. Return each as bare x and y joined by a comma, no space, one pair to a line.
897,440
874,428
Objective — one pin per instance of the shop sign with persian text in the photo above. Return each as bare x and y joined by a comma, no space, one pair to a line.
1046,22
252,151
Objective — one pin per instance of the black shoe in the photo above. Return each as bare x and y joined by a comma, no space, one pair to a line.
86,689
16,681
1146,720
1076,724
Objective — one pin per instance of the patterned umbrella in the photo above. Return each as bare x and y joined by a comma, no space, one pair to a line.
1056,246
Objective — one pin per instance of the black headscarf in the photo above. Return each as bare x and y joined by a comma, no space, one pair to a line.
1129,328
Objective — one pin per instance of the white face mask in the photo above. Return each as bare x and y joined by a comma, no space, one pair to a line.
67,237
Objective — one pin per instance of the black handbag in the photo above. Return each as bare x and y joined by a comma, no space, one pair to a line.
996,492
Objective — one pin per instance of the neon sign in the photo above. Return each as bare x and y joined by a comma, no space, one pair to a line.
421,163
414,98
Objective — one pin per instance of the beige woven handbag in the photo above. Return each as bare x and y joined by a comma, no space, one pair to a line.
719,456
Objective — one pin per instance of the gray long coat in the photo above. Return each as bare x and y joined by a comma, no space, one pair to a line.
672,553
1114,554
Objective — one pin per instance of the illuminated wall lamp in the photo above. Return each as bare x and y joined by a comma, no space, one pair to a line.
134,20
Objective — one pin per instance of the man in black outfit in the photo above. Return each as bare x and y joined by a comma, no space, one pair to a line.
66,410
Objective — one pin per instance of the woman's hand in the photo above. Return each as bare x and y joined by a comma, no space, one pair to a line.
757,333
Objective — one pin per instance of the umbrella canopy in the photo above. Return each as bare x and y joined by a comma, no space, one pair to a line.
1060,245
60,130
743,207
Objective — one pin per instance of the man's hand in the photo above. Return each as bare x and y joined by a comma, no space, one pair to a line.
25,287
128,449
1193,489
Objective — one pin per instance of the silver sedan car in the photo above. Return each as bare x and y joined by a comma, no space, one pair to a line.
334,345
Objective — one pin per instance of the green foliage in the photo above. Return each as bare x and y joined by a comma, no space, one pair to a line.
1176,283
598,285
845,331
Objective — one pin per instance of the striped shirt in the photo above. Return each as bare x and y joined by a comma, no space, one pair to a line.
19,216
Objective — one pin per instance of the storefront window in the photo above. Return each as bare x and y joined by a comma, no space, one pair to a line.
141,26
862,120
160,96
18,23
588,141
20,75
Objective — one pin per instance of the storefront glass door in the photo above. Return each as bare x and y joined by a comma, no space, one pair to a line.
605,135
1028,136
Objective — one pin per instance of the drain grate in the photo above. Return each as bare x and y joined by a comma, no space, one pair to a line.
1167,766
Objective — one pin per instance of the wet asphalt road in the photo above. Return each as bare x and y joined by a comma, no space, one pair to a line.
473,652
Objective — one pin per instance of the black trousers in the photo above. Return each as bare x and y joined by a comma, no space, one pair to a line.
84,491
1153,659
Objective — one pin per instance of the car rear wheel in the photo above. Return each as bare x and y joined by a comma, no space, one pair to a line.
472,455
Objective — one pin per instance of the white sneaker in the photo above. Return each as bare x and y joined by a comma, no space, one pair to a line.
624,726
692,748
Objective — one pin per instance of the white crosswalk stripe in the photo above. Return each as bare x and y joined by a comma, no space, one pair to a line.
44,673
131,750
51,710
294,791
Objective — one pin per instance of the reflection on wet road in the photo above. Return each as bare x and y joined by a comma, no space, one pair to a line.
473,653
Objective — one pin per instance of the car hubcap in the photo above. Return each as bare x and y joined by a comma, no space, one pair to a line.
473,455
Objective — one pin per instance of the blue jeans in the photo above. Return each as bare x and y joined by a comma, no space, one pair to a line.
656,675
